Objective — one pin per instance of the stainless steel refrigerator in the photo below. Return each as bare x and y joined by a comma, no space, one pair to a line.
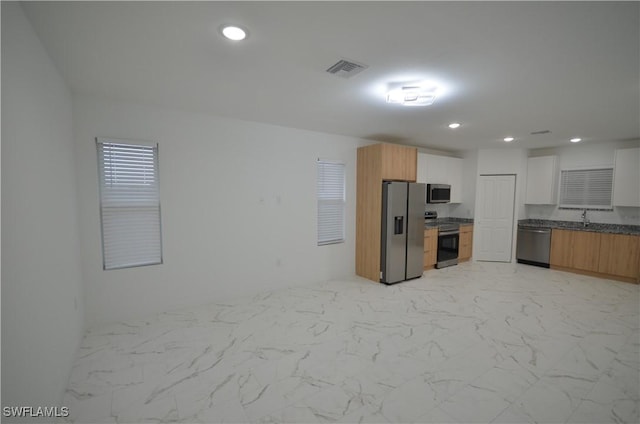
402,247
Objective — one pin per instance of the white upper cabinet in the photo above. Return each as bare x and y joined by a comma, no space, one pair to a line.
454,178
542,180
421,174
626,178
434,169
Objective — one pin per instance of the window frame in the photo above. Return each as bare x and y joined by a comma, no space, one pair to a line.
342,202
588,206
102,198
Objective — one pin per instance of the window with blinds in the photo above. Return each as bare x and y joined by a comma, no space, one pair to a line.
129,203
331,202
586,188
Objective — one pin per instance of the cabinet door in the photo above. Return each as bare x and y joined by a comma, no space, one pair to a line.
619,255
542,180
626,178
399,162
454,178
430,247
436,169
410,164
585,253
421,171
466,242
561,241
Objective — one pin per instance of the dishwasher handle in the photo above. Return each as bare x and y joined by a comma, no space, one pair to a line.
531,230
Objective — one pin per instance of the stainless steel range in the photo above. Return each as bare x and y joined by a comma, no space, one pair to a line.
448,239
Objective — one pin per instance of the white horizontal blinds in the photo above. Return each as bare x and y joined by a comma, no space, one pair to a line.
586,188
331,202
129,203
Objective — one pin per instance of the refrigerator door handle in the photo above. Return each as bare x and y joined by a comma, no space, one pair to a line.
398,224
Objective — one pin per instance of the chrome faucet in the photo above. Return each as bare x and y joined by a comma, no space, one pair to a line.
585,220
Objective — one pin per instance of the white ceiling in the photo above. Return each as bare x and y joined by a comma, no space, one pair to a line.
505,68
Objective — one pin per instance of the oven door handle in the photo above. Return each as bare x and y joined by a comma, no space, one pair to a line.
448,233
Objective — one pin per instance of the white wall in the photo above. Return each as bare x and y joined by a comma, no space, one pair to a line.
41,274
580,155
238,209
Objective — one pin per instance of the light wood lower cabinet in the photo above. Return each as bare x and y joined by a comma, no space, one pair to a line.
575,249
615,256
430,248
561,248
585,251
466,243
619,255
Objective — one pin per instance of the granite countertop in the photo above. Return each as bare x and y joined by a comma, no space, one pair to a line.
434,223
577,226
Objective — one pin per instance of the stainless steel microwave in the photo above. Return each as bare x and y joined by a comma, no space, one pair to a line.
438,193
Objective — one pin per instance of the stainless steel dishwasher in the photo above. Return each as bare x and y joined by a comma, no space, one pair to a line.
533,246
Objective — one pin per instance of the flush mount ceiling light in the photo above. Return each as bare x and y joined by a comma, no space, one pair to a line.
509,139
575,140
413,94
233,32
454,125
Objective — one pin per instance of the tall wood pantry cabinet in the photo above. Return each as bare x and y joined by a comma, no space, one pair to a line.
376,163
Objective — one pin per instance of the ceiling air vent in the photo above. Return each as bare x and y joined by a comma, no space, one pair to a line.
540,132
346,68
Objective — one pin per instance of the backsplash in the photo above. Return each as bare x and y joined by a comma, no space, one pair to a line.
460,210
443,209
449,210
620,215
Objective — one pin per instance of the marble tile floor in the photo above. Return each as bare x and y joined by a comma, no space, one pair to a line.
475,343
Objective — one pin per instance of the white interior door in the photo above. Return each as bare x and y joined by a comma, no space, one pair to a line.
494,218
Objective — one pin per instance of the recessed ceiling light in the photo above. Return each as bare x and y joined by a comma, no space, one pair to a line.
575,140
454,125
233,32
509,139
